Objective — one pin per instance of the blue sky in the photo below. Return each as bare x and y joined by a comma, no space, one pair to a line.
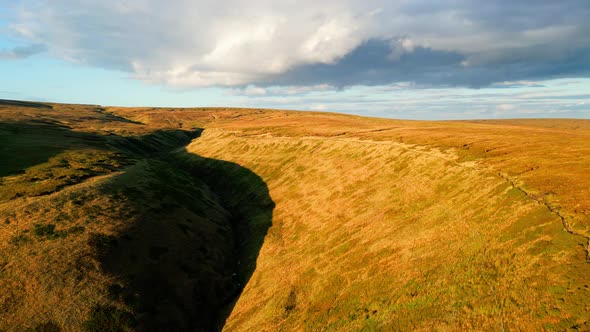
398,59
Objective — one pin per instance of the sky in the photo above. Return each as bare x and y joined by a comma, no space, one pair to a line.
445,59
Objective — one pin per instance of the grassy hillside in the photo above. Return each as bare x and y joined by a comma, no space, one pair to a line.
107,225
383,224
383,235
261,220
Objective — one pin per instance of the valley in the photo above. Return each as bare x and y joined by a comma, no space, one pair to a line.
269,220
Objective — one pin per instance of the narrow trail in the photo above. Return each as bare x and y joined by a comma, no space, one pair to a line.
551,209
449,157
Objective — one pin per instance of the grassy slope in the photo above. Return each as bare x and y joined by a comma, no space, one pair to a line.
105,224
389,236
409,225
378,224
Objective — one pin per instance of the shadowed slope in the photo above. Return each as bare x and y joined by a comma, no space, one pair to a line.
246,196
189,243
18,103
109,232
28,143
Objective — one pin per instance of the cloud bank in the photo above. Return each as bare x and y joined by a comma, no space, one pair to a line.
310,43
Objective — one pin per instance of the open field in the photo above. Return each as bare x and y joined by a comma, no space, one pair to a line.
263,220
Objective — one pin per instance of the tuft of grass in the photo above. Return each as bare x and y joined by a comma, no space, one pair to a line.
76,230
291,302
48,232
109,319
44,230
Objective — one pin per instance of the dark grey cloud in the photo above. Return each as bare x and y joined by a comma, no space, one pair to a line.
371,64
501,15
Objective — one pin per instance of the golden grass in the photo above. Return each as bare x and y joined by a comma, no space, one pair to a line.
386,235
551,157
377,224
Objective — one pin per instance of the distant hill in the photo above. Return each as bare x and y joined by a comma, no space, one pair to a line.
200,219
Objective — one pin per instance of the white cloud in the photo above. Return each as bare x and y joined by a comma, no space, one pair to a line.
400,47
505,107
194,43
254,91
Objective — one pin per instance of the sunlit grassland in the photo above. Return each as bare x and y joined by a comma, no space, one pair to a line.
386,235
109,218
549,157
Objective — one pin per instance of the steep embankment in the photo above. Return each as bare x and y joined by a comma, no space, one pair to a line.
403,225
548,158
107,224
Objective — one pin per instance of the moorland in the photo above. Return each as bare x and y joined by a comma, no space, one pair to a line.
200,219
